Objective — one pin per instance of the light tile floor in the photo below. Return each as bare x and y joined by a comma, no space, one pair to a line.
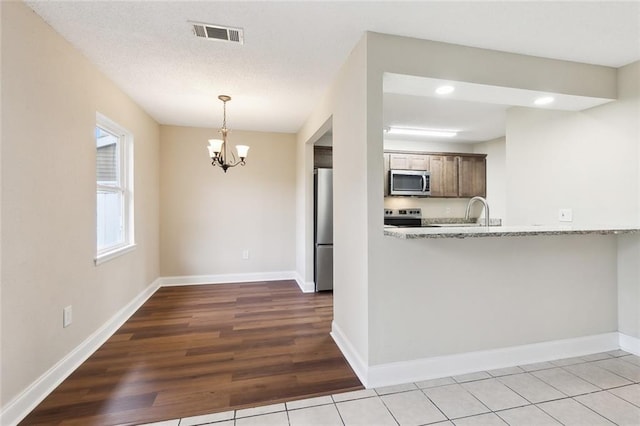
597,389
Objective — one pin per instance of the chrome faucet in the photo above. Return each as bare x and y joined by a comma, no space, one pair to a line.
486,208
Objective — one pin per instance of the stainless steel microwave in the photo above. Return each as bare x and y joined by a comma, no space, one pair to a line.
410,182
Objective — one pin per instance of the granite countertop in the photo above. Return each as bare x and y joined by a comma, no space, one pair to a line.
505,231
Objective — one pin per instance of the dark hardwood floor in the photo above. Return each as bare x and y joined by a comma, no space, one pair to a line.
196,350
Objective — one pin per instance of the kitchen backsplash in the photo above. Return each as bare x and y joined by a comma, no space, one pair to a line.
430,221
434,207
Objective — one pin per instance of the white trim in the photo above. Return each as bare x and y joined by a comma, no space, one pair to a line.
109,255
26,401
228,278
629,344
305,286
452,365
353,358
396,373
125,187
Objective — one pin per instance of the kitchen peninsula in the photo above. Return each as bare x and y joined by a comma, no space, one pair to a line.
481,302
503,231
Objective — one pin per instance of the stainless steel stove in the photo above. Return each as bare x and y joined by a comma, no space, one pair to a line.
403,217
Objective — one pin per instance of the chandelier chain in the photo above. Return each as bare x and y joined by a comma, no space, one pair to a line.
224,114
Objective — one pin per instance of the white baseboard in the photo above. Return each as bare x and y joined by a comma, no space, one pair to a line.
305,286
228,278
25,402
629,343
451,365
355,361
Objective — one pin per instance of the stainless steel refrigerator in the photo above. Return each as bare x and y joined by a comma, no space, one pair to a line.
323,228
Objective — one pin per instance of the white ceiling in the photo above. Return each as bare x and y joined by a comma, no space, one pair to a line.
293,50
475,122
476,111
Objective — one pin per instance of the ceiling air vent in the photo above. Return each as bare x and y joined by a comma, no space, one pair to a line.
216,32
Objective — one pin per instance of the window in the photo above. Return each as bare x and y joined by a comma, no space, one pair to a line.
114,189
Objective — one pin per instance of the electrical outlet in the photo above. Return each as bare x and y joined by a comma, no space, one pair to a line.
67,316
245,254
565,215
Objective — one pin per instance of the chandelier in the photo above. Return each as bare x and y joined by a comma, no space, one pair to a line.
218,147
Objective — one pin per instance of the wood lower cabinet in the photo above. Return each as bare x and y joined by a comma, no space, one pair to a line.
472,176
444,175
408,161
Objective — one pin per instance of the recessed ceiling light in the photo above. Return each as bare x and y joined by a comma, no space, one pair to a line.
445,133
445,90
545,100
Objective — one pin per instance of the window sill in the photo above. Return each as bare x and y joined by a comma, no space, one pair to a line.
107,256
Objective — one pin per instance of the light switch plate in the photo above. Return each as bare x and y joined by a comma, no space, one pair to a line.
67,316
565,215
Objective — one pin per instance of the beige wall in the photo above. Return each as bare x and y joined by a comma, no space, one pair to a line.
393,329
343,107
209,217
486,293
396,331
50,95
629,246
629,285
496,175
2,399
578,160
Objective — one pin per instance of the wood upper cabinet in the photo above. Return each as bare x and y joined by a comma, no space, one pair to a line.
444,175
472,176
453,175
408,161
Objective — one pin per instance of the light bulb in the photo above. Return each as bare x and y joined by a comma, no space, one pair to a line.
242,150
445,90
215,145
545,100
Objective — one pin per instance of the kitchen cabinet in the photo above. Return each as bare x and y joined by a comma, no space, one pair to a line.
472,176
408,161
453,175
444,175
